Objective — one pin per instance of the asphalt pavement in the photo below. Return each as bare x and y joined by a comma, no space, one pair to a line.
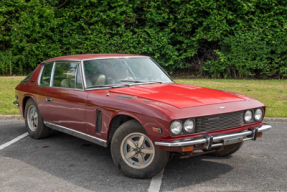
65,163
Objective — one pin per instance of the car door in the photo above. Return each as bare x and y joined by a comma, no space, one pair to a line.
66,97
44,80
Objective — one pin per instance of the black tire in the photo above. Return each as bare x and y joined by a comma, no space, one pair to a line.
227,150
40,131
156,165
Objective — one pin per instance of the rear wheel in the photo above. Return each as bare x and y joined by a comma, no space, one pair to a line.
227,150
34,122
134,153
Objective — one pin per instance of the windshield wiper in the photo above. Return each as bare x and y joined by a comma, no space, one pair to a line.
112,86
137,81
125,85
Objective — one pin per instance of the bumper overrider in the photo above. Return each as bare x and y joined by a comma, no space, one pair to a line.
209,141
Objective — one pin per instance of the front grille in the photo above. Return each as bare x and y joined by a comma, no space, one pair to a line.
217,122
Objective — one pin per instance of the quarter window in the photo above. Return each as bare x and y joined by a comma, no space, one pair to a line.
65,74
46,75
27,78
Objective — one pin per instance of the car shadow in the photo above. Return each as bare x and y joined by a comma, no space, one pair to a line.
91,167
180,173
79,162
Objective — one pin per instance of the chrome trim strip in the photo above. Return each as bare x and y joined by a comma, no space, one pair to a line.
61,60
40,75
76,75
67,88
52,75
84,76
127,85
123,57
41,72
120,57
247,139
217,145
78,134
110,57
96,88
164,71
180,143
102,58
79,67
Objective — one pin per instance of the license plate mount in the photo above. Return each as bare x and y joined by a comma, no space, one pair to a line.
233,141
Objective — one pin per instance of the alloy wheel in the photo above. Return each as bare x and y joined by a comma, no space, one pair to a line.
137,150
32,118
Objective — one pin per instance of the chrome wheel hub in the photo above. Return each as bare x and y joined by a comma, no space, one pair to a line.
137,150
32,118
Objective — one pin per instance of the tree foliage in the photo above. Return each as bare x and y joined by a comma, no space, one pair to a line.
217,38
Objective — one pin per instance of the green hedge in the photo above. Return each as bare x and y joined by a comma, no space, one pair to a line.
216,38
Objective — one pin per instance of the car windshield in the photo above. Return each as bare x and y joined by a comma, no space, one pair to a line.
117,72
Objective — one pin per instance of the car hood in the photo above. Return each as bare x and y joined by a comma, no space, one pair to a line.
178,95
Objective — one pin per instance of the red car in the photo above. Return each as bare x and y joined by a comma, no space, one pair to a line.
130,104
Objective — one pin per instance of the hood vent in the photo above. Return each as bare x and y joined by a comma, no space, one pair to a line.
99,121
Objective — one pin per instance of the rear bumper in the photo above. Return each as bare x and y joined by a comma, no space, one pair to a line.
209,141
16,103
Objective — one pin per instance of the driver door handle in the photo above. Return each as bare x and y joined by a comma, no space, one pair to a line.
49,99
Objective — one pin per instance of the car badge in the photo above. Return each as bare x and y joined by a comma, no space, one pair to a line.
213,118
223,107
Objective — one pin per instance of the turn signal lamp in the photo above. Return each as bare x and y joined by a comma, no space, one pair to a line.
188,148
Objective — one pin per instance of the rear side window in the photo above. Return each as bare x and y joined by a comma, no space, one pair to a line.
65,74
46,75
27,78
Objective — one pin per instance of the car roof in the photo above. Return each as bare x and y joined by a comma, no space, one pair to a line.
91,56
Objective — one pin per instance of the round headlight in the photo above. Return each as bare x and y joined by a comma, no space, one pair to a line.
176,127
188,126
248,116
258,114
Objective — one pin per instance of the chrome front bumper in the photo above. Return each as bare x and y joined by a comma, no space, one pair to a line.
209,141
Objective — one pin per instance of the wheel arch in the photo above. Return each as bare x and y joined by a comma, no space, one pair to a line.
117,121
25,99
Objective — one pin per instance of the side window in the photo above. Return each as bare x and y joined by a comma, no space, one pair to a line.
65,74
27,78
98,72
79,84
46,75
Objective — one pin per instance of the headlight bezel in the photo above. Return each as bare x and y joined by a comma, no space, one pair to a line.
262,115
252,116
183,130
253,119
193,128
170,127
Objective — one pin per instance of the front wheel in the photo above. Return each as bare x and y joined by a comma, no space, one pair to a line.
34,121
134,153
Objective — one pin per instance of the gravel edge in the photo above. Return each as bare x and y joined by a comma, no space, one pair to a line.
20,118
11,117
275,120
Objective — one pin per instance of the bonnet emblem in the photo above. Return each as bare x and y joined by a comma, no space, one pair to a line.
213,118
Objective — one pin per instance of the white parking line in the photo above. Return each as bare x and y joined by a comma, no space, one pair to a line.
13,141
156,182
